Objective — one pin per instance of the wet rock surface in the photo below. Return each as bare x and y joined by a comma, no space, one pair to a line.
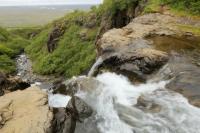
147,105
71,118
185,78
137,62
65,119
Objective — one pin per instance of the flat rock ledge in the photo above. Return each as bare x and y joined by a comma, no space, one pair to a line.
25,111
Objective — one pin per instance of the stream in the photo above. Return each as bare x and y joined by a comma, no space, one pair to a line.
115,102
25,72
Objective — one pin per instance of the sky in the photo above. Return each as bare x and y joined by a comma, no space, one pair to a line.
46,2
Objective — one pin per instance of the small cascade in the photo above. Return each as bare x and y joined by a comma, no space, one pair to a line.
95,67
116,110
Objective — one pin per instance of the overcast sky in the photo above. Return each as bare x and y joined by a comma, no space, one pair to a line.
41,2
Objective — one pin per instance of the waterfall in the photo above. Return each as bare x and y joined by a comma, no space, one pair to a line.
116,107
114,103
115,111
95,66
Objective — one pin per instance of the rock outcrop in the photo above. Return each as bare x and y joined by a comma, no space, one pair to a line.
10,84
184,77
120,17
54,37
127,50
25,111
146,44
65,119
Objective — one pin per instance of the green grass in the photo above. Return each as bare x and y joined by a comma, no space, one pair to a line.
192,6
189,28
7,65
152,6
73,54
185,8
10,46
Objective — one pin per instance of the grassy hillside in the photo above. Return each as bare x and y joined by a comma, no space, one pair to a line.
75,50
10,46
177,7
73,40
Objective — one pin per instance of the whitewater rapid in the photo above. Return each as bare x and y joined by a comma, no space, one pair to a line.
115,101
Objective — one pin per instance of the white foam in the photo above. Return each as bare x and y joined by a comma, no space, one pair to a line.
58,100
116,89
114,103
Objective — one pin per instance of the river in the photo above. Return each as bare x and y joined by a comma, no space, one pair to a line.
117,106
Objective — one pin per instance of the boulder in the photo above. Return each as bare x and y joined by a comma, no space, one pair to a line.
25,111
147,105
127,51
65,119
9,84
139,61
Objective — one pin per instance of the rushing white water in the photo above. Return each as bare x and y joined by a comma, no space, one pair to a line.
114,103
58,100
95,66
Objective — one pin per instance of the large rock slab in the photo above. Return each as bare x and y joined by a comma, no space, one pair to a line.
25,112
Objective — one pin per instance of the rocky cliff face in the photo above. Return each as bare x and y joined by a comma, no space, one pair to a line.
146,44
120,18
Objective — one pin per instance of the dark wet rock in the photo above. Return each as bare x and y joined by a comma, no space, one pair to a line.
183,76
54,37
65,119
3,82
80,107
147,105
10,84
72,86
62,121
59,89
138,62
15,83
